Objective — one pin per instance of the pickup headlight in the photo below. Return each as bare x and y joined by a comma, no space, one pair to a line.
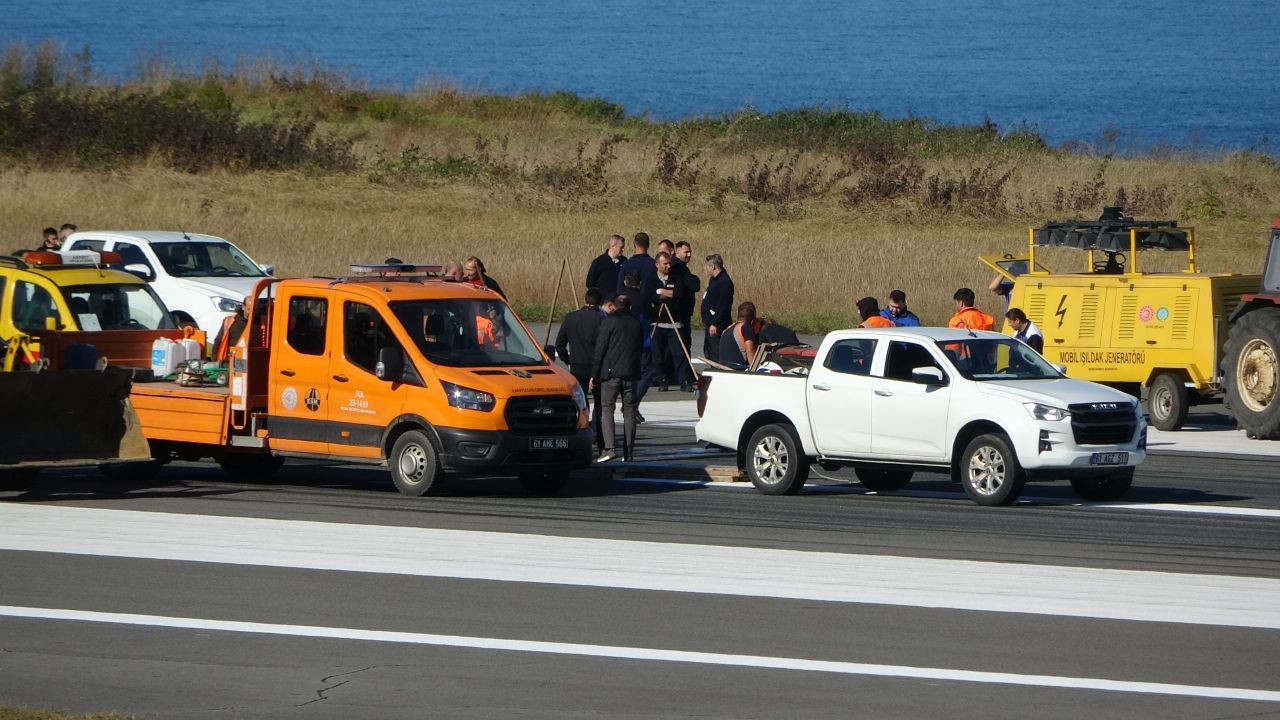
466,398
1046,412
579,397
226,304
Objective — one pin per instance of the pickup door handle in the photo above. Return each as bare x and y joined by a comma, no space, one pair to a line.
821,387
340,378
288,373
884,393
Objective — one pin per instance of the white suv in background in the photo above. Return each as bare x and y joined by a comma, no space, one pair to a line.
202,278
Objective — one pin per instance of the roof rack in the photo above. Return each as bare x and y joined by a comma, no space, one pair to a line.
395,269
1114,233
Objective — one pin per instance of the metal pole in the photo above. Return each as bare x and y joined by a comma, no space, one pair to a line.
692,370
564,264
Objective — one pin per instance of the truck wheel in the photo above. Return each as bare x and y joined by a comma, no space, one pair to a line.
135,472
1103,488
1168,402
18,479
246,466
1251,370
882,479
415,467
545,483
989,471
775,462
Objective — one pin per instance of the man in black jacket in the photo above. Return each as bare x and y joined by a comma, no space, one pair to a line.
680,267
640,261
615,370
668,296
603,274
576,346
717,306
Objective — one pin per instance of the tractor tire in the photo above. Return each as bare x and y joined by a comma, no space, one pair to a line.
1251,372
1168,402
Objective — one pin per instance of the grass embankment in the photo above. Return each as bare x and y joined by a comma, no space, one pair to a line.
22,713
812,209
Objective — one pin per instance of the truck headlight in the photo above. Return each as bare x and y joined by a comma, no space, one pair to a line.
579,397
1046,412
466,398
225,304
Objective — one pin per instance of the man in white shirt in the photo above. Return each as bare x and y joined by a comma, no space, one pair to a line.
1025,330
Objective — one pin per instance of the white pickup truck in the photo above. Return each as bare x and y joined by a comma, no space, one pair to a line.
981,406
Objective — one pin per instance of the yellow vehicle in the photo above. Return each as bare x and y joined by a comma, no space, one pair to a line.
1113,323
393,366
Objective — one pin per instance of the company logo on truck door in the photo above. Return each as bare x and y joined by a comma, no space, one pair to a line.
289,398
313,400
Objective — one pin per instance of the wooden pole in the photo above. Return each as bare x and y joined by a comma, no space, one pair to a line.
692,370
564,265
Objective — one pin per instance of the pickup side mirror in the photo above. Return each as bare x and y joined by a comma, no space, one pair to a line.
927,376
141,271
390,365
267,268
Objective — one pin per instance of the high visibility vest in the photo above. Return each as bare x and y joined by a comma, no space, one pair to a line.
973,319
877,321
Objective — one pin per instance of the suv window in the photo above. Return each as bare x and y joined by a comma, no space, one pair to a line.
364,333
31,305
851,357
906,356
308,317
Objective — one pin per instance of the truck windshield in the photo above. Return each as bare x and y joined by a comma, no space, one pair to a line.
205,259
467,332
116,307
991,359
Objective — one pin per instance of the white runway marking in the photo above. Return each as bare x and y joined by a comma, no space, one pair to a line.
651,654
669,567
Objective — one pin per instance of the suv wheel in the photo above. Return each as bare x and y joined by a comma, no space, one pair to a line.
775,462
990,472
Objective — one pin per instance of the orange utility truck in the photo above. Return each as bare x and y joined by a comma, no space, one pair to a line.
392,366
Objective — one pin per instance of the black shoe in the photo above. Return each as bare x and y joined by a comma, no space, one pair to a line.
606,457
686,387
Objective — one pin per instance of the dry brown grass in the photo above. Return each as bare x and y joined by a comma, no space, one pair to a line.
806,267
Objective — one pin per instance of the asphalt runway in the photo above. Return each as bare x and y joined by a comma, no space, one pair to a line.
326,594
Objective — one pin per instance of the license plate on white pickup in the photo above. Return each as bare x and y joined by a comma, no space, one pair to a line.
1119,458
548,443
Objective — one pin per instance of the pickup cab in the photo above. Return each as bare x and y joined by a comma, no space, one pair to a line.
980,406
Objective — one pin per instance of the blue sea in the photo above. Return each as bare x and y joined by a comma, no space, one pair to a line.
1199,75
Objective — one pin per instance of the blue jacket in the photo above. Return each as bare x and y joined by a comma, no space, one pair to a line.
907,320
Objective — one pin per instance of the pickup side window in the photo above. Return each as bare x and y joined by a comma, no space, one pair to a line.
307,320
851,357
31,305
906,356
131,254
364,333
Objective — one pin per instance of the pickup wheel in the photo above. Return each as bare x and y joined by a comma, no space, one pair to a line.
775,462
246,466
989,471
1103,488
882,479
1168,402
415,466
544,483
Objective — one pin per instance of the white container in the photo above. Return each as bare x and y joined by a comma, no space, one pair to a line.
166,355
193,349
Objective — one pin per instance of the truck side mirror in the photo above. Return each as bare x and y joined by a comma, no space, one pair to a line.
390,365
927,376
1060,368
141,271
267,268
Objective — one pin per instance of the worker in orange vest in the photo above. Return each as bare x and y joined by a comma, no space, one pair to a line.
967,316
869,310
229,334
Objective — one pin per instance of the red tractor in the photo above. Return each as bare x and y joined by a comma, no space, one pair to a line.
1251,371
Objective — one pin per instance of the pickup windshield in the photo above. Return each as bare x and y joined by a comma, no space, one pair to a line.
991,359
468,332
205,259
116,307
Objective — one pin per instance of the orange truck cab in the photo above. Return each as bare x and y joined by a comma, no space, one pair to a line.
425,375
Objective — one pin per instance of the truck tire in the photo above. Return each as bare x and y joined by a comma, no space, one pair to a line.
775,462
1103,488
415,465
990,472
1251,372
250,466
1168,402
18,479
882,479
544,483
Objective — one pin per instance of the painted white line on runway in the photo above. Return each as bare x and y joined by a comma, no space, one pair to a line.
615,652
1201,509
627,564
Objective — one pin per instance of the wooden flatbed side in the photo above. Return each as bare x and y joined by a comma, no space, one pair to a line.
169,411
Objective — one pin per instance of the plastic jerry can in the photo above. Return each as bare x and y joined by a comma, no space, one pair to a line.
193,349
166,355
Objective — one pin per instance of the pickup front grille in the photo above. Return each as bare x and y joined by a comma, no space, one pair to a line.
542,415
1102,423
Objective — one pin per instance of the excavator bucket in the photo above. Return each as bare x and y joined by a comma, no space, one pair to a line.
67,418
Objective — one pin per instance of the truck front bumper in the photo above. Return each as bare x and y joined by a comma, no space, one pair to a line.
1048,451
502,451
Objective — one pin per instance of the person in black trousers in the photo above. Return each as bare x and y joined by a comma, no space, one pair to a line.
668,295
684,253
615,370
576,346
717,306
604,270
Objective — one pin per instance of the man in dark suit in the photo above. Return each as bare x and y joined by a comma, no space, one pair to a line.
604,270
576,346
667,295
680,267
615,369
717,306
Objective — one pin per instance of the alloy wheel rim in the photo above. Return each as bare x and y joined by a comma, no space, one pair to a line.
987,470
1257,375
771,459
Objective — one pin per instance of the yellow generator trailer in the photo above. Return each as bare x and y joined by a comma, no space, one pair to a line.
1113,323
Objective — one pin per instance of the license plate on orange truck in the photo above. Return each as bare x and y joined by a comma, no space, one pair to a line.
548,443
